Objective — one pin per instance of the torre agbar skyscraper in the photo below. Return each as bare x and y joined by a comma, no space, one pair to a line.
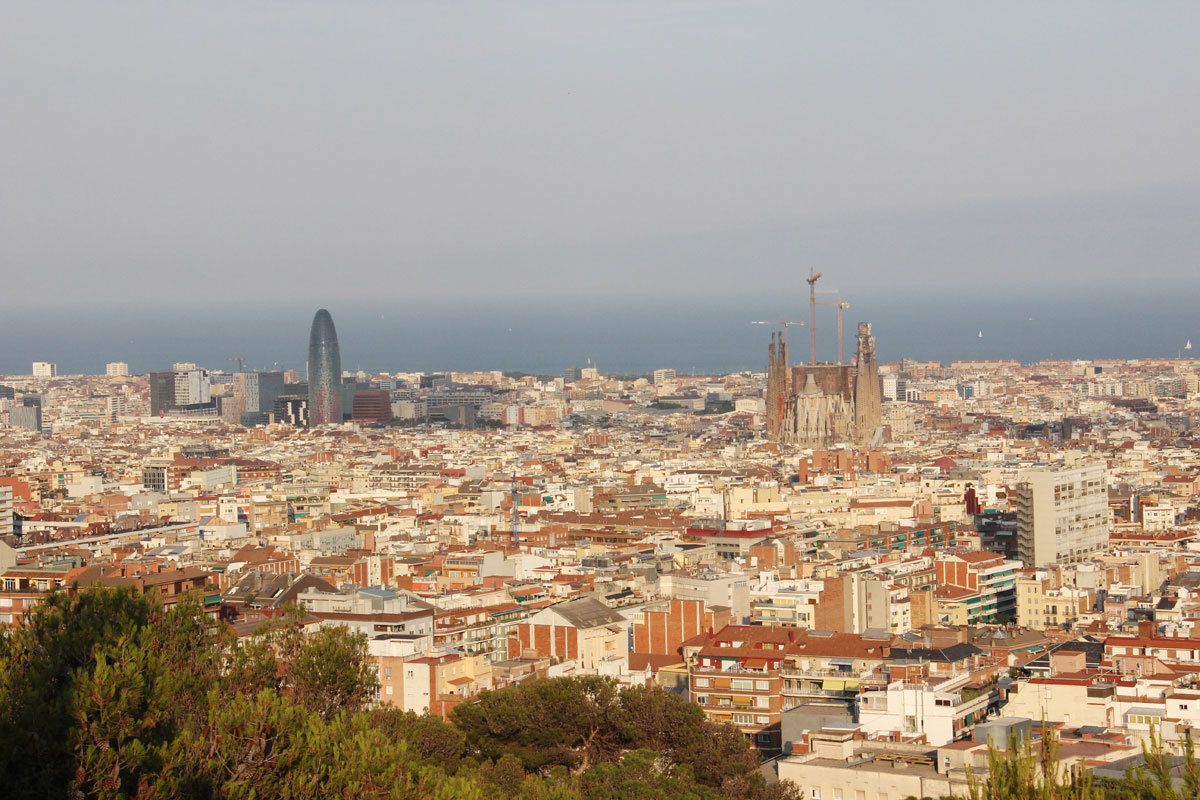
324,372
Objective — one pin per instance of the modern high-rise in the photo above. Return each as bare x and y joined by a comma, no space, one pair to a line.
1062,514
372,407
324,372
254,393
192,387
116,369
44,369
185,387
28,414
162,393
292,409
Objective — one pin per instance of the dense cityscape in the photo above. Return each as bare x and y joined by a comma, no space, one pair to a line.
874,572
599,400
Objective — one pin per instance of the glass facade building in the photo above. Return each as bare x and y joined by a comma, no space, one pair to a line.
324,372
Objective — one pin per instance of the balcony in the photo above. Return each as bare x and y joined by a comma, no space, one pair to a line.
736,669
818,674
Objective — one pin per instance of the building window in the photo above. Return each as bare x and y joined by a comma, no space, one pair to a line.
700,681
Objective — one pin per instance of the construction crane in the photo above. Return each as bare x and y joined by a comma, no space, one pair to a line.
786,324
241,362
841,306
812,311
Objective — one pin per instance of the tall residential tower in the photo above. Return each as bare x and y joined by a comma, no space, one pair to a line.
324,372
1062,513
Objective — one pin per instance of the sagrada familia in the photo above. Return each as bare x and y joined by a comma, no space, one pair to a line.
815,405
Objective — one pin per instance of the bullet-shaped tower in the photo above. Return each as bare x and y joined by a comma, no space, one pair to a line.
324,372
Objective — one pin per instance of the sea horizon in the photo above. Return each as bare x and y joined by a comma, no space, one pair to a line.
693,335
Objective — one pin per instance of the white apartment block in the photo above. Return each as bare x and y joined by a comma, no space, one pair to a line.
1062,514
44,369
1158,517
116,369
6,510
942,713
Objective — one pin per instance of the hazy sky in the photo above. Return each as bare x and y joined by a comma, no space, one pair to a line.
417,151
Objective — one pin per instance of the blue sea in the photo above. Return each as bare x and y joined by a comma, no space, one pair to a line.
625,335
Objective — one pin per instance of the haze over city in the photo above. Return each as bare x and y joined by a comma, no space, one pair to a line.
304,152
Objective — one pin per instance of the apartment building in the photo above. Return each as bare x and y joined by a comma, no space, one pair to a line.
1062,514
986,585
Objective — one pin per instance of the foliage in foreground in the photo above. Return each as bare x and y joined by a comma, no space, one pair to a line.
107,694
1023,772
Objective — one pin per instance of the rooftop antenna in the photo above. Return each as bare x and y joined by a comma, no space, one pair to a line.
812,311
241,362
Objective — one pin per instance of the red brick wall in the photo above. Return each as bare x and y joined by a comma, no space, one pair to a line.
664,632
833,609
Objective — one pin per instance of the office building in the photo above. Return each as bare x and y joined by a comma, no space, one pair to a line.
324,372
661,376
162,393
254,394
117,407
895,387
44,369
28,414
116,369
292,409
185,389
572,374
192,387
372,407
1062,514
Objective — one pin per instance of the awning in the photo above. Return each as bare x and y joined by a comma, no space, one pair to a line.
851,684
841,662
833,683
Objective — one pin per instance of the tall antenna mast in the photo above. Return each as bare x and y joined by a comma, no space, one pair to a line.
812,311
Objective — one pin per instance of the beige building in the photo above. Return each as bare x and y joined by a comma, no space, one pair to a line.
1062,514
431,682
1040,606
